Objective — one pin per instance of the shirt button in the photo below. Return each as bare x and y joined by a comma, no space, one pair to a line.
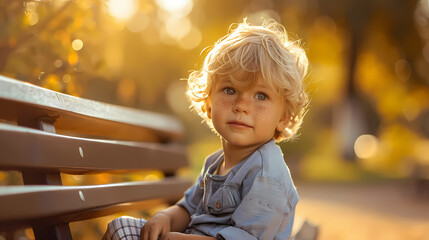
217,204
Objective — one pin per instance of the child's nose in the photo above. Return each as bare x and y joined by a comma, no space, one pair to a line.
242,104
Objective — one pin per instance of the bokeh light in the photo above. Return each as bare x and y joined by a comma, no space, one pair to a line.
73,58
66,78
366,146
31,13
182,7
192,39
77,44
122,9
138,22
178,28
58,63
368,82
32,18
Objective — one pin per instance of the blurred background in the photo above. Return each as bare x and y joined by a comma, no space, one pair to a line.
361,161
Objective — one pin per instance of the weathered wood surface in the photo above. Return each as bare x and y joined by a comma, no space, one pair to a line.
44,133
28,205
20,101
25,148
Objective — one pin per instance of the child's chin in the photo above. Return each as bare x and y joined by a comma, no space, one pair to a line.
243,142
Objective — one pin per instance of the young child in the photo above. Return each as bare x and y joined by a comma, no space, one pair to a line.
250,92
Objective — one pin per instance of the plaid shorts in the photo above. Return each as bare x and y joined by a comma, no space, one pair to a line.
124,228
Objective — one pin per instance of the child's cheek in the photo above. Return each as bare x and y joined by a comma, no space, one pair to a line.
220,107
225,102
262,114
260,109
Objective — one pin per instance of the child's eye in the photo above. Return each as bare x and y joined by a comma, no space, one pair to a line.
229,91
261,96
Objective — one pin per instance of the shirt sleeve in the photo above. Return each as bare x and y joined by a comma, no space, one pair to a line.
192,196
262,213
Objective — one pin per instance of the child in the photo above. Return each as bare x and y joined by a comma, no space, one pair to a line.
250,92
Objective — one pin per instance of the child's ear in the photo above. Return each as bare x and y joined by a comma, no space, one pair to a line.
282,124
208,108
209,112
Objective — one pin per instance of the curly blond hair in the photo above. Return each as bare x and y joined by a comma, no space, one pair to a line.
250,52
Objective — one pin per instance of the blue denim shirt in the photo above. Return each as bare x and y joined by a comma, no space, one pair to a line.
256,199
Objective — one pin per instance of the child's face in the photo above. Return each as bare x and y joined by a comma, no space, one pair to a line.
245,116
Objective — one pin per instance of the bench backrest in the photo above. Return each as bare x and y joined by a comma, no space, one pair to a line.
45,133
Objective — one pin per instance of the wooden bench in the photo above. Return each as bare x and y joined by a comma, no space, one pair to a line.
45,133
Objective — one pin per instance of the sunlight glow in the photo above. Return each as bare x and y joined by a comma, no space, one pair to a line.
138,22
152,177
366,146
33,18
31,13
191,40
176,5
122,9
178,28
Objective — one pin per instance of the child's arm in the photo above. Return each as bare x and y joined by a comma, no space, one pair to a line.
174,219
182,236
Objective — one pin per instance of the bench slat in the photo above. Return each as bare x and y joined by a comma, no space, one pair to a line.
21,101
56,153
45,133
26,205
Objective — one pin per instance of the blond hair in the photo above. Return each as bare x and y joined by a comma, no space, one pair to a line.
246,53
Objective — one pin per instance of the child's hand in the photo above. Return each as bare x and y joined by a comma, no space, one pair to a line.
158,225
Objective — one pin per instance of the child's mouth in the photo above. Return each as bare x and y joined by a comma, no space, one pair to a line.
239,124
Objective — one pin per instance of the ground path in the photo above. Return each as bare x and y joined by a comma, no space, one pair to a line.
351,211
